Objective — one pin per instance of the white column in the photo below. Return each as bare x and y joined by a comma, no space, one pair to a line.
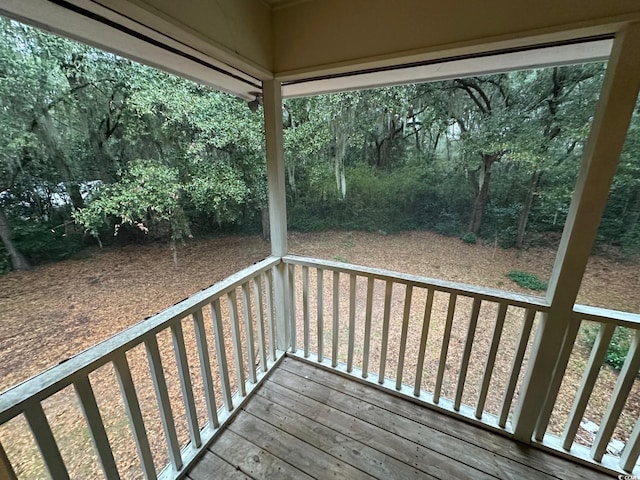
272,102
600,160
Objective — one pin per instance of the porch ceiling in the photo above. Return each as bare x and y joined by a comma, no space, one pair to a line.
292,40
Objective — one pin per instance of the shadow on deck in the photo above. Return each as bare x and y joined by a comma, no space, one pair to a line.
305,422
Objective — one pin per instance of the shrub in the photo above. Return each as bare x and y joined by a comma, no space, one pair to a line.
469,237
527,280
618,348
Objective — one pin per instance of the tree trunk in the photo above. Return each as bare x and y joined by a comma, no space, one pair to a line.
266,224
526,208
482,193
18,262
73,189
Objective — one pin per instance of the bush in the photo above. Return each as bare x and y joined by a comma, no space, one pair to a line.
618,348
469,237
527,280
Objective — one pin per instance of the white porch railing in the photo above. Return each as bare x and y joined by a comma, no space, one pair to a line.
388,329
247,336
351,314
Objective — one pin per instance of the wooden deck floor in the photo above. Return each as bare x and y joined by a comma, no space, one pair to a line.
304,422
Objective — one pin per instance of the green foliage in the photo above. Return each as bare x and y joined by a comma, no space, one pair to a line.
618,347
469,237
527,280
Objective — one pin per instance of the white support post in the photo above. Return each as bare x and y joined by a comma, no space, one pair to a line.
602,151
272,102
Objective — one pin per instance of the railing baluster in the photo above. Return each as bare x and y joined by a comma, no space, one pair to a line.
305,309
423,342
336,319
631,450
6,470
445,347
352,321
236,341
268,286
491,359
516,365
320,313
218,332
589,378
403,335
97,431
292,305
248,332
257,293
162,395
464,366
367,328
556,380
205,367
385,330
186,386
46,441
618,398
132,407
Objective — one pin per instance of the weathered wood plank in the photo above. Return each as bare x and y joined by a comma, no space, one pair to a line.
430,463
493,443
471,455
355,453
252,460
212,467
301,455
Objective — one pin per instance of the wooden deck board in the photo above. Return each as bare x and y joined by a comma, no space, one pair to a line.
305,422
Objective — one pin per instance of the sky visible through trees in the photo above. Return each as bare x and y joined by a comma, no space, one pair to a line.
96,148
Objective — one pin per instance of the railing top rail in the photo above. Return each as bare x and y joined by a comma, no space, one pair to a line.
605,315
49,382
491,294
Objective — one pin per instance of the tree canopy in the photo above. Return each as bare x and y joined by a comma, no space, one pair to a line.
93,146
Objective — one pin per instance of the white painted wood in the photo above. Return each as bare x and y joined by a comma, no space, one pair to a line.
466,354
292,308
544,413
475,291
367,328
46,442
136,423
385,329
403,336
631,450
352,321
428,307
257,293
619,396
491,359
184,375
271,322
236,341
97,432
273,131
248,332
64,374
164,404
281,306
205,368
600,159
445,347
223,368
335,330
589,377
320,312
6,470
605,315
305,310
516,365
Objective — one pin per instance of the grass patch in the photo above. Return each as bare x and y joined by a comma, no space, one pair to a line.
527,280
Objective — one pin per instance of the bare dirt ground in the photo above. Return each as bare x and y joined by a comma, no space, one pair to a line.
55,311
